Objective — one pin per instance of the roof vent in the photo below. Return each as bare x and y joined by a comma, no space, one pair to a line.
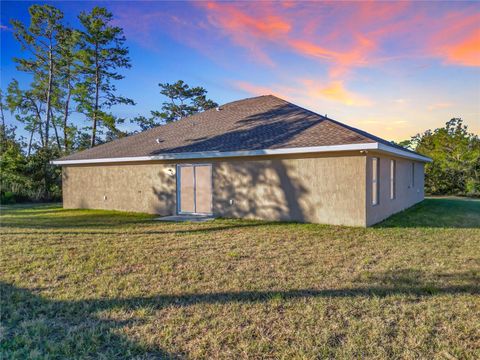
218,108
158,140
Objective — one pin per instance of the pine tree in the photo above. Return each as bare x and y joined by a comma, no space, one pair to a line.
102,53
40,40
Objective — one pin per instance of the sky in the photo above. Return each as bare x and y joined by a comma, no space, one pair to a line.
390,68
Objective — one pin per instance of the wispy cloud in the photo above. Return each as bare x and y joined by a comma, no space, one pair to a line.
341,36
319,54
308,92
354,34
335,91
439,105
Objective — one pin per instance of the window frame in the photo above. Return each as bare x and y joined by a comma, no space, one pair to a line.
412,180
393,179
375,181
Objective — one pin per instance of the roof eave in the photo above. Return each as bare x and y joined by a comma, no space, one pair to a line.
223,154
403,153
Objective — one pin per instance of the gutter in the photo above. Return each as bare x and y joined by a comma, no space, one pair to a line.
222,154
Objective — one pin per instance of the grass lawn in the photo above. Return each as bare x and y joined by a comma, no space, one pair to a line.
104,284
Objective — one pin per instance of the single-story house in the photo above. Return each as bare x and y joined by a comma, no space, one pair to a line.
258,158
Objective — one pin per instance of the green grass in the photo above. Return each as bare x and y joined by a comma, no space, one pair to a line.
102,284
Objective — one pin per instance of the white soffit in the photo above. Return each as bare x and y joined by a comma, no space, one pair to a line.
222,154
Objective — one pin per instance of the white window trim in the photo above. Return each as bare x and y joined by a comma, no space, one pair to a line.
393,179
376,181
412,179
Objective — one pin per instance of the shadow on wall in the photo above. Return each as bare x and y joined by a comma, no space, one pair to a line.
165,192
266,189
81,329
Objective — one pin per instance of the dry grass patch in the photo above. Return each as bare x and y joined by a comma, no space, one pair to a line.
103,284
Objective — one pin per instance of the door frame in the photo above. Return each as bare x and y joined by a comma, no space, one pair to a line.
179,189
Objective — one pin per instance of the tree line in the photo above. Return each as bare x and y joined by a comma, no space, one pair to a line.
455,169
67,107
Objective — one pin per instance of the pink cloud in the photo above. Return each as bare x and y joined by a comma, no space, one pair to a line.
307,91
347,35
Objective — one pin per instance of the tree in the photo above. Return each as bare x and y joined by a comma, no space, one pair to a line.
27,106
102,53
182,101
69,69
3,128
40,39
456,159
12,161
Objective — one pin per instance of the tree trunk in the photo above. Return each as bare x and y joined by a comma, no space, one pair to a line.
31,140
97,90
49,93
4,129
40,132
1,112
59,145
65,119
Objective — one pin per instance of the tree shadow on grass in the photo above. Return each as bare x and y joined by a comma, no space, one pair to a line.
33,324
72,219
437,213
36,327
171,228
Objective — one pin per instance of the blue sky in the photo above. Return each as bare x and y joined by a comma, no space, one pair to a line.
390,68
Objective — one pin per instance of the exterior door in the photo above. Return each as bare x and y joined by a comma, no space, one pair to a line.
194,189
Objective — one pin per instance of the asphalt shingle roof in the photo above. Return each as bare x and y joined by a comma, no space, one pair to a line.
259,123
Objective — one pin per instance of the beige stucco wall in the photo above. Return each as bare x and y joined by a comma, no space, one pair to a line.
328,189
406,196
332,189
149,188
325,189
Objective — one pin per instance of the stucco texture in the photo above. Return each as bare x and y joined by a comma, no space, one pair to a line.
406,195
327,190
149,188
331,189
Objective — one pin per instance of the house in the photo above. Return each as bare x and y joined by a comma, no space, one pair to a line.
261,157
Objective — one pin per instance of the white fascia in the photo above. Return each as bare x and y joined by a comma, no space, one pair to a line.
402,153
222,154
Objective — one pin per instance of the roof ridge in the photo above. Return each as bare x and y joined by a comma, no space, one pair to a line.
248,98
363,133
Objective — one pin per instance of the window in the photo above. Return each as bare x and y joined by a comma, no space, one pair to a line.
375,167
413,175
393,170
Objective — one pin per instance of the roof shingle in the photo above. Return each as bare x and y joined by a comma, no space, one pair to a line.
259,123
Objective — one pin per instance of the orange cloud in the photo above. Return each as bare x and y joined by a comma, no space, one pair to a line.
308,92
440,105
307,48
336,91
248,28
253,89
466,52
352,35
233,19
281,91
357,55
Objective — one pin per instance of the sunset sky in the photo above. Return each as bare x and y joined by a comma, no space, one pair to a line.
390,68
